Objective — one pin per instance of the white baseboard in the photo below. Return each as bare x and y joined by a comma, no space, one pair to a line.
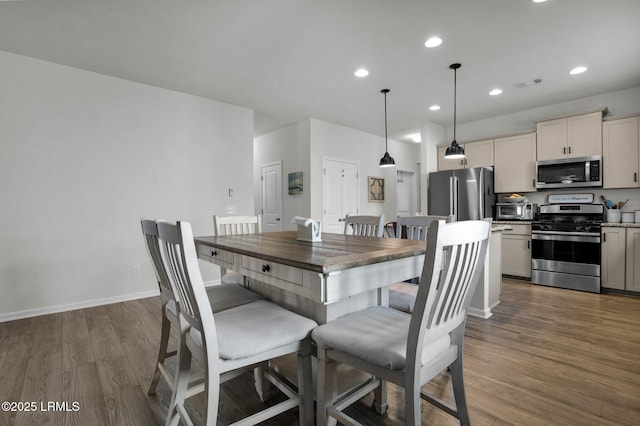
481,313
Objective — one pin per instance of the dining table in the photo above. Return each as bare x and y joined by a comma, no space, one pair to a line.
322,280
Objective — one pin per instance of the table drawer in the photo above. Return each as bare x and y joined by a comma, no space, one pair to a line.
215,255
266,271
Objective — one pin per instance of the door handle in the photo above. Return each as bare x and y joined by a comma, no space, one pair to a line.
277,219
341,219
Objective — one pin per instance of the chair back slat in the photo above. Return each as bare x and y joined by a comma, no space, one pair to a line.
416,227
364,225
150,233
236,225
453,263
180,261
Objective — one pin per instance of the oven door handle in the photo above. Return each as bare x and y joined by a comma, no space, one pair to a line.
584,237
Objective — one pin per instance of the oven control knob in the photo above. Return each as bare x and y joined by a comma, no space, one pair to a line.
587,228
579,228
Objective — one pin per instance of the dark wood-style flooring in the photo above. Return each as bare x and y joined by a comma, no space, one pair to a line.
546,357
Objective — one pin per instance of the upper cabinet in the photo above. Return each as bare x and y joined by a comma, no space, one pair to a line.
570,137
515,164
621,153
477,154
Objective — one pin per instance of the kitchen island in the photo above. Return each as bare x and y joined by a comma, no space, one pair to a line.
487,294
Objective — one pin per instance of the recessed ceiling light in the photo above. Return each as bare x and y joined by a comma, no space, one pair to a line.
495,92
539,1
578,70
434,107
361,73
433,42
417,138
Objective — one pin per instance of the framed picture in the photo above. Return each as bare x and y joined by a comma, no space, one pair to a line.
376,189
295,183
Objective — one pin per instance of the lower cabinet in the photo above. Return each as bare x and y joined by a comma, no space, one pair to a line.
620,266
516,251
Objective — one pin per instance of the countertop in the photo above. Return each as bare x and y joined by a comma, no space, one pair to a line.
621,225
512,222
502,226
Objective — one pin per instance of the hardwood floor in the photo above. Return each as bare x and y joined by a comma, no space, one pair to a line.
546,356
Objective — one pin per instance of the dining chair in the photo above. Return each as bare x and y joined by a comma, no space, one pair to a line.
235,225
409,349
221,297
227,343
364,225
402,295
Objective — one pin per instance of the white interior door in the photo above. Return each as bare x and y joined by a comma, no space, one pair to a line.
272,197
406,193
340,193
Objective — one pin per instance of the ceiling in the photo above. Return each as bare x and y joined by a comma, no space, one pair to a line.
294,59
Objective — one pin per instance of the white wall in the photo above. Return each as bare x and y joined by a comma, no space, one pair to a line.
82,157
342,143
290,145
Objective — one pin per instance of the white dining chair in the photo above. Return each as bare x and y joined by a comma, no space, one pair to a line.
235,225
409,349
232,341
221,297
402,295
364,225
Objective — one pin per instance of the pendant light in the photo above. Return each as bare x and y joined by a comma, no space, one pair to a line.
386,160
455,150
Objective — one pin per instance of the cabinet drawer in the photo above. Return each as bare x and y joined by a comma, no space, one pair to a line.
524,229
215,255
266,271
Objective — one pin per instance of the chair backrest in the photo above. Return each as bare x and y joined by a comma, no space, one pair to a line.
363,225
233,225
416,227
453,264
150,232
180,261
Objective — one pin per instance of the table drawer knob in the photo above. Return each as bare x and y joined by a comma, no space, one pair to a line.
266,268
214,253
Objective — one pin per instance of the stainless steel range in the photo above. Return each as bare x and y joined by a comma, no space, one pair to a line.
565,243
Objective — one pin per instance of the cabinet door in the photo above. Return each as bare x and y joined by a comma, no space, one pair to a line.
446,163
515,164
612,267
552,139
516,255
633,259
584,135
479,154
620,153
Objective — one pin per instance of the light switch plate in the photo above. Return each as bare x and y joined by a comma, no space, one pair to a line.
231,209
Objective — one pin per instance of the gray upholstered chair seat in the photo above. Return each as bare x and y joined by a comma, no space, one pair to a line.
402,296
226,296
255,328
377,335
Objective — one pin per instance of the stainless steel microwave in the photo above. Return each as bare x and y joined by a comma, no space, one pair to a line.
579,172
516,211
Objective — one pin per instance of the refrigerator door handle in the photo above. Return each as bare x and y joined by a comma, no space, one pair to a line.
454,196
481,197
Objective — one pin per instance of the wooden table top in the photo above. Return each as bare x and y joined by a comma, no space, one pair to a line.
336,252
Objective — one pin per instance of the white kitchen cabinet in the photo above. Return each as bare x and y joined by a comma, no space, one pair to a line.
477,154
621,153
570,137
612,264
515,163
516,251
633,260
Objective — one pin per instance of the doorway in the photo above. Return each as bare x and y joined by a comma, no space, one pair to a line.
339,193
406,193
271,208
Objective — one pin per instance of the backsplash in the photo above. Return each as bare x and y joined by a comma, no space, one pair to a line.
615,195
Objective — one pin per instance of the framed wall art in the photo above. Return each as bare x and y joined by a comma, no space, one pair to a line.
295,183
376,189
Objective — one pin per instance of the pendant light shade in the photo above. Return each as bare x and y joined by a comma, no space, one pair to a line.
386,160
455,150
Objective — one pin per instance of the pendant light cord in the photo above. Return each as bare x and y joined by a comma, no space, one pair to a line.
386,146
455,108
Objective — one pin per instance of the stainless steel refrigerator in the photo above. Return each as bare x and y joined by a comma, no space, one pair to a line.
465,193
